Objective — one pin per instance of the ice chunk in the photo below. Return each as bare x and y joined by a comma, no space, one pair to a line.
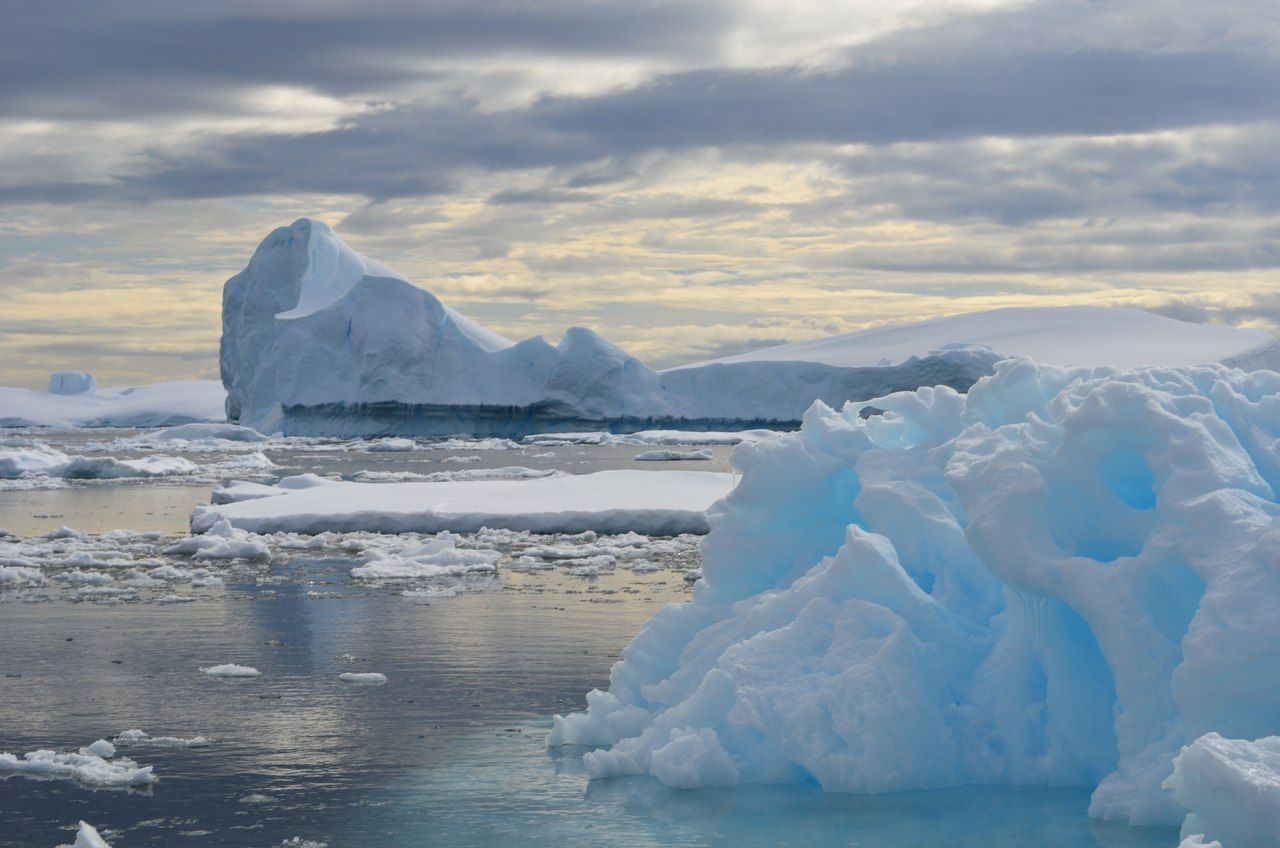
673,456
231,670
101,748
88,837
368,678
83,767
138,738
12,576
391,445
1062,577
1232,788
71,383
220,540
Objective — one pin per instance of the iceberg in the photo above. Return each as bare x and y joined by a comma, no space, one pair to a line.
318,340
1062,577
71,383
1232,788
155,405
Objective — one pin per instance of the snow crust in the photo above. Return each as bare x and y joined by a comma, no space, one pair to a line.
154,405
1062,577
656,503
1062,335
1232,788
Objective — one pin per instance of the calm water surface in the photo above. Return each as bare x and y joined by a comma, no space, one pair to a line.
448,753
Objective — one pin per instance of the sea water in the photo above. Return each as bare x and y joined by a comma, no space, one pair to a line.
448,752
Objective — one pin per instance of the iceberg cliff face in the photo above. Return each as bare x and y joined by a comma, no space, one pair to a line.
1062,577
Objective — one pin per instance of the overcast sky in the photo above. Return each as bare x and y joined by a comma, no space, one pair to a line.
688,178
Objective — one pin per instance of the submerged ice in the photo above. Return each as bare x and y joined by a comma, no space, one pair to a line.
1063,577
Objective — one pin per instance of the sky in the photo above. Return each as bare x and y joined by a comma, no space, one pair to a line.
691,179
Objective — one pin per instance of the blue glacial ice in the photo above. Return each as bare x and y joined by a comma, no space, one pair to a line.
1062,578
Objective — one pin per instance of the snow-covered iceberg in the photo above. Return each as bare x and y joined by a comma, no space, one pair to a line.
319,340
1062,577
68,404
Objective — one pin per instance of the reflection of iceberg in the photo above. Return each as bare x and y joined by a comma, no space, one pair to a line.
1062,577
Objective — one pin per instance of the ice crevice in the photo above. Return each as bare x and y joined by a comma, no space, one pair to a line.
1064,577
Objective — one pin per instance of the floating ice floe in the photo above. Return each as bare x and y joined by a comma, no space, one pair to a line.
220,540
86,767
510,472
391,445
650,437
139,739
656,503
231,670
673,456
439,557
87,836
366,678
1063,577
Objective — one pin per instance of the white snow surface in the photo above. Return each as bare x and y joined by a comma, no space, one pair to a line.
652,502
1232,788
1062,577
154,405
1061,335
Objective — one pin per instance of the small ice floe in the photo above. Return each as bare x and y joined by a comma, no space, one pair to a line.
382,445
65,532
222,541
231,670
509,472
86,578
693,575
645,566
19,576
94,765
87,837
430,593
461,460
673,456
175,599
463,443
366,678
257,798
139,738
196,438
299,842
439,557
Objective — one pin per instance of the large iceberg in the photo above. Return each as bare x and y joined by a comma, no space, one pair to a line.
319,340
1062,577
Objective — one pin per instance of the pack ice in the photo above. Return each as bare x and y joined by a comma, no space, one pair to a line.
1063,577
